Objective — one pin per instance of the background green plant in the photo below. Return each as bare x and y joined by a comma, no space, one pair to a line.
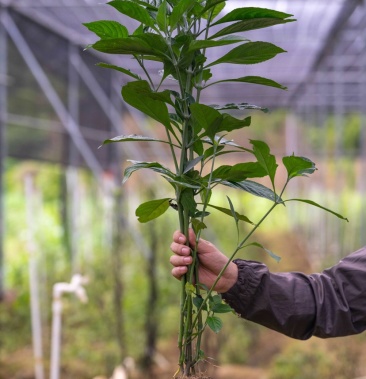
177,34
89,346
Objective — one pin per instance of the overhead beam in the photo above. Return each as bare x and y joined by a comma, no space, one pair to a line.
69,124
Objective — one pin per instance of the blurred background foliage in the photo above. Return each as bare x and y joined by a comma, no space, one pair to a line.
132,309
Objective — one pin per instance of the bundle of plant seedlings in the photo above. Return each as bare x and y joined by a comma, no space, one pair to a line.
177,35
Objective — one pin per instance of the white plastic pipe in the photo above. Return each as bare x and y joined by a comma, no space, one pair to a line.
33,278
76,287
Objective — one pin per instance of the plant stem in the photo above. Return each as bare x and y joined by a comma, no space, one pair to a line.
230,259
172,151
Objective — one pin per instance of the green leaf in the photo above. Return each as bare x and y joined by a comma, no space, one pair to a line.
221,141
213,128
190,289
270,253
202,76
265,158
239,106
120,69
222,308
200,214
205,195
142,88
252,80
255,189
133,10
248,13
198,225
218,6
150,45
188,202
251,18
233,213
197,302
319,206
204,116
214,323
157,43
238,172
134,138
154,166
298,166
152,209
147,4
192,163
182,182
178,11
107,29
132,45
139,95
161,16
249,53
215,299
204,44
230,123
212,121
246,25
229,213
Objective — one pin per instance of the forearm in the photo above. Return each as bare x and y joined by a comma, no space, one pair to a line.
273,300
329,304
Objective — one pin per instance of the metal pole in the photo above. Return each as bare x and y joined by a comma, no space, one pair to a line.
73,97
3,148
73,197
33,278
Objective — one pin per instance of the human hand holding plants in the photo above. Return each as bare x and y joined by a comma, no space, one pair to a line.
211,262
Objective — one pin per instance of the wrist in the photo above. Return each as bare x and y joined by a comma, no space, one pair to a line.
231,277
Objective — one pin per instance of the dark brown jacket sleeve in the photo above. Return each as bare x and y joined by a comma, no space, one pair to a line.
329,304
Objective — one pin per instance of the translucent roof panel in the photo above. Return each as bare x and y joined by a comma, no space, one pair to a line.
323,27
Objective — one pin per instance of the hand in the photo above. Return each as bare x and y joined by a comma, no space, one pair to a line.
211,262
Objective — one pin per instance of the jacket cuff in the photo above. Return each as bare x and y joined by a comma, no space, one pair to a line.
241,293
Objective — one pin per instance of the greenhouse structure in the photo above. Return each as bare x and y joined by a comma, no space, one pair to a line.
57,106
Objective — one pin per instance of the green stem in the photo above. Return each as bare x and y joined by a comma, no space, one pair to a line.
172,150
141,63
199,89
230,259
182,297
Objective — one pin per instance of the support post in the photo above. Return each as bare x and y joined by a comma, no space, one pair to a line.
72,178
34,278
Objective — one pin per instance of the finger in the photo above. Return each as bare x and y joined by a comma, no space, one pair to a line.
178,272
177,260
179,249
179,237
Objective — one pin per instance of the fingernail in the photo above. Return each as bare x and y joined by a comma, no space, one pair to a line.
185,250
181,239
